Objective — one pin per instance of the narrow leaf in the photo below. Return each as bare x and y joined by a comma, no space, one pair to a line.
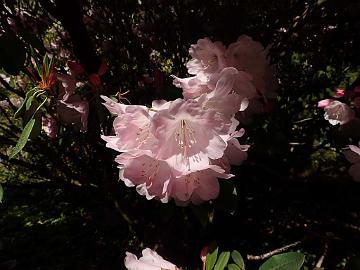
22,106
1,193
211,257
238,259
29,101
23,138
223,260
285,261
233,266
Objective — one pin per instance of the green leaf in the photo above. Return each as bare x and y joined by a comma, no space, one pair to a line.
285,261
233,266
28,102
1,193
37,126
21,109
12,53
223,260
238,259
211,257
23,138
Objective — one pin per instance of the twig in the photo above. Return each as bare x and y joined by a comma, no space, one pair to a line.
273,252
321,259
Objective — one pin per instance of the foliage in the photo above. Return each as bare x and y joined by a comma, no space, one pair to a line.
294,184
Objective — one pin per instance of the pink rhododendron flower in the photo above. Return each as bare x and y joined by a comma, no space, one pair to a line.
189,135
250,56
72,110
67,85
224,98
325,102
353,155
337,112
179,149
49,126
150,176
198,186
208,58
192,87
132,128
339,92
150,260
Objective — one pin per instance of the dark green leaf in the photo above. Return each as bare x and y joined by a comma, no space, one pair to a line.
233,266
211,257
12,53
23,138
285,261
28,102
238,259
23,104
37,126
1,193
222,261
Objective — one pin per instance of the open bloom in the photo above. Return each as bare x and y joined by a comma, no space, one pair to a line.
198,186
192,87
49,126
71,108
336,112
150,176
250,56
189,135
208,58
150,260
353,155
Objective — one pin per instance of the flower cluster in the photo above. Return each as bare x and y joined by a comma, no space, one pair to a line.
337,112
179,149
150,260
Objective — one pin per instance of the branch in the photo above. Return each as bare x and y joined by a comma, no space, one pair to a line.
68,12
321,259
273,252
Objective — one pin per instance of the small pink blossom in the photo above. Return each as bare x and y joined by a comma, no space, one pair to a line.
337,112
71,108
339,92
74,112
192,87
189,135
208,58
49,126
325,102
353,155
150,176
150,260
197,187
250,56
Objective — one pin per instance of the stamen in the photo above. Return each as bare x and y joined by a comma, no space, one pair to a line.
185,136
143,134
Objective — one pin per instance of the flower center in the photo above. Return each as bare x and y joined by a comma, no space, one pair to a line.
143,134
185,136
